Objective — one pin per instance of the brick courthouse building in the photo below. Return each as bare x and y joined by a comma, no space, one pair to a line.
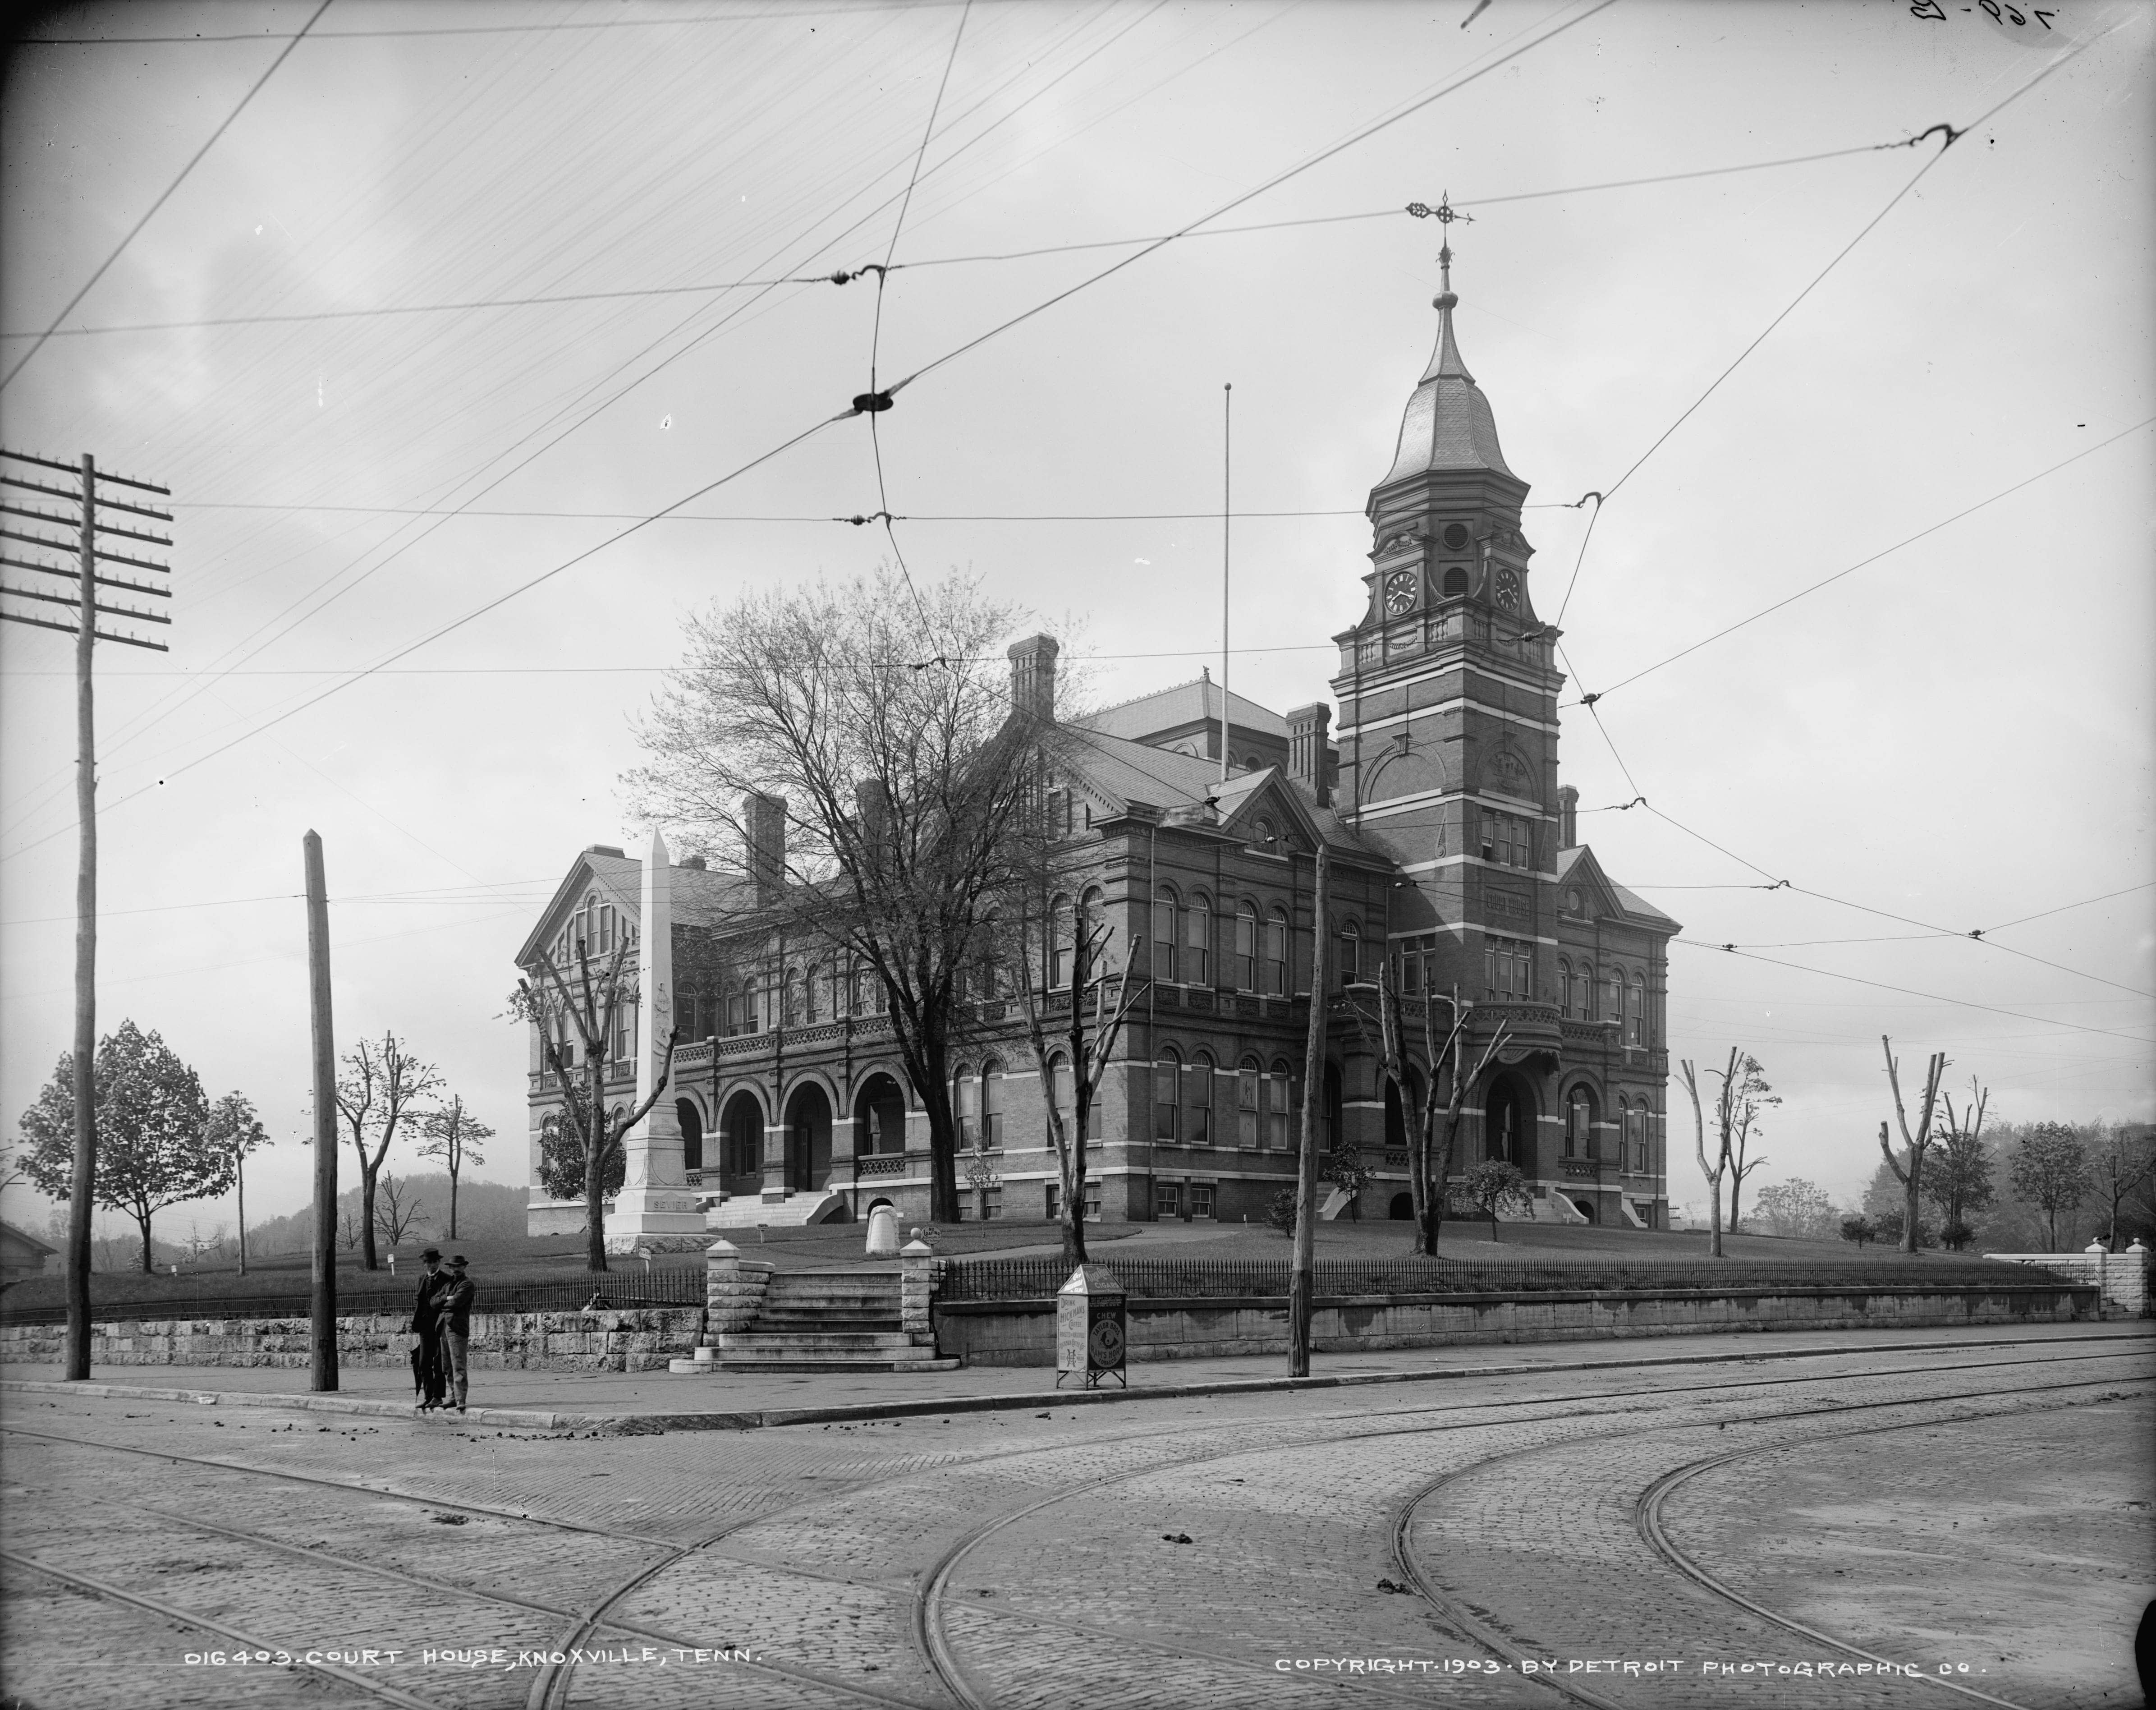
1454,855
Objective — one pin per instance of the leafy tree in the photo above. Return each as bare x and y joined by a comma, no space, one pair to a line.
235,1129
1959,1179
376,1094
877,722
1797,1208
1493,1184
1280,1211
1913,1146
154,1146
2120,1160
2050,1169
1343,1167
1858,1229
452,1134
1744,1103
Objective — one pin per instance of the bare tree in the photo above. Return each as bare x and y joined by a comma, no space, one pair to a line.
2119,1162
1915,1145
1699,1142
235,1129
1302,1267
579,1015
452,1134
376,1094
1743,1104
1444,1095
392,1216
869,719
1088,1046
1959,1179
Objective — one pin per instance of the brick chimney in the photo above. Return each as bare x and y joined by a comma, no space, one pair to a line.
765,819
1033,677
872,804
1567,817
1309,730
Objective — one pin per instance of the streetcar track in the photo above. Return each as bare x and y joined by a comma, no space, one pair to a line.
1459,1615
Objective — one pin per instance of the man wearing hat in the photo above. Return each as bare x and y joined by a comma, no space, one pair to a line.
427,1352
453,1314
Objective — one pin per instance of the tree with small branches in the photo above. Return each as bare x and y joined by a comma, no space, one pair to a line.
868,720
452,1134
2050,1169
1959,1181
154,1146
236,1130
1914,1145
1493,1184
375,1096
1744,1104
393,1215
580,1015
2120,1161
1087,1044
1724,1118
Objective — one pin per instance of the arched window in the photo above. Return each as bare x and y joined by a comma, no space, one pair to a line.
1167,1095
1582,991
1246,946
1276,1100
1580,1123
1197,941
1201,1098
1636,1133
966,1106
1276,952
1092,908
1059,945
1268,838
1248,1074
813,985
1064,1091
992,1103
1613,995
1456,582
797,1004
1635,996
1623,1141
1164,934
1563,987
1351,954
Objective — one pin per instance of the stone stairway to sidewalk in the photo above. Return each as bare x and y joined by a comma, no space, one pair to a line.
821,1321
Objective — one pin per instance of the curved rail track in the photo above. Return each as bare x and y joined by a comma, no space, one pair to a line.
942,1655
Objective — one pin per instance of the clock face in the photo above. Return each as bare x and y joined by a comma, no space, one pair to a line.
1400,592
1508,591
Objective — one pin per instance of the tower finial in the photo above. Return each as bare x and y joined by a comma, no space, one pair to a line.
1443,213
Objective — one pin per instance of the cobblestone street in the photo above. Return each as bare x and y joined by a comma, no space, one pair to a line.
1766,1534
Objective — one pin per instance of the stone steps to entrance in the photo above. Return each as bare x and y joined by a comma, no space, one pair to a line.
827,1321
796,1210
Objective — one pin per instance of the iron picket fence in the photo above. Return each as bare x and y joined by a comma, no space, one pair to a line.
1198,1279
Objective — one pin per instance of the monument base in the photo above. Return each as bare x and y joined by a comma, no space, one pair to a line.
658,1220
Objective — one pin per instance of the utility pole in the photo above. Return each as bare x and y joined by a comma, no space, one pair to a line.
1227,487
322,1309
1302,1275
86,505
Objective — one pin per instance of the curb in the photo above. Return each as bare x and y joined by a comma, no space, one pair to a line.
655,1424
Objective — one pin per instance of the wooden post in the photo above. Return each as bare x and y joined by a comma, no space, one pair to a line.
1302,1275
323,1314
82,1184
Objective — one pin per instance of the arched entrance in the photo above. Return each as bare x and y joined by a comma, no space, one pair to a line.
879,1117
742,1159
692,1134
1333,1107
807,1138
1402,1209
1508,1123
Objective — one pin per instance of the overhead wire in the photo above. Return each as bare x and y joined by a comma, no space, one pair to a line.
134,230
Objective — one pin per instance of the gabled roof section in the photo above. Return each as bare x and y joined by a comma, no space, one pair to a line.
1578,866
1195,702
701,897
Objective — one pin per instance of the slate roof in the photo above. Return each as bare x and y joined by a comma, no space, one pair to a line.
1630,901
1449,424
1194,702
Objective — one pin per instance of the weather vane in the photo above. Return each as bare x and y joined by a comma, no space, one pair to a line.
1443,213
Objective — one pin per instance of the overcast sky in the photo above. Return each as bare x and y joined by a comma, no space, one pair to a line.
1952,738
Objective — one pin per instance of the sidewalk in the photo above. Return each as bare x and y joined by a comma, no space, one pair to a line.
618,1403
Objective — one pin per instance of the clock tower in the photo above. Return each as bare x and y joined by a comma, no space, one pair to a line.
1448,715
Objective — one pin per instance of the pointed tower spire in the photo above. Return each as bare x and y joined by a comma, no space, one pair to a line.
1448,424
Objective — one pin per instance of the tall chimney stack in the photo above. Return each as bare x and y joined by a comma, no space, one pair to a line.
872,806
1567,817
1032,678
765,817
1309,738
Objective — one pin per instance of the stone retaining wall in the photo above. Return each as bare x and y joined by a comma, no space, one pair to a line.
551,1342
1022,1332
2123,1277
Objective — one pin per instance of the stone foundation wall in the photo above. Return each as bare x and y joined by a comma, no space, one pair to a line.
1022,1332
549,1342
2123,1276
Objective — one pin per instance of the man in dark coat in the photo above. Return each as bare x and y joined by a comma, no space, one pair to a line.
427,1364
453,1303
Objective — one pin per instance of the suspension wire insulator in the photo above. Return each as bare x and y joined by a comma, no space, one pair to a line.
869,403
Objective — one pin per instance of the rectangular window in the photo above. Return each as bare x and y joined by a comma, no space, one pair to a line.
1197,943
1201,1104
1489,836
1276,955
1093,1118
1093,1201
1163,941
1167,1199
1201,1198
1053,1204
1246,1109
1165,1094
1246,950
1276,1112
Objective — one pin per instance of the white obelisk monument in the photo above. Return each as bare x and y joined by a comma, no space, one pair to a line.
655,1209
